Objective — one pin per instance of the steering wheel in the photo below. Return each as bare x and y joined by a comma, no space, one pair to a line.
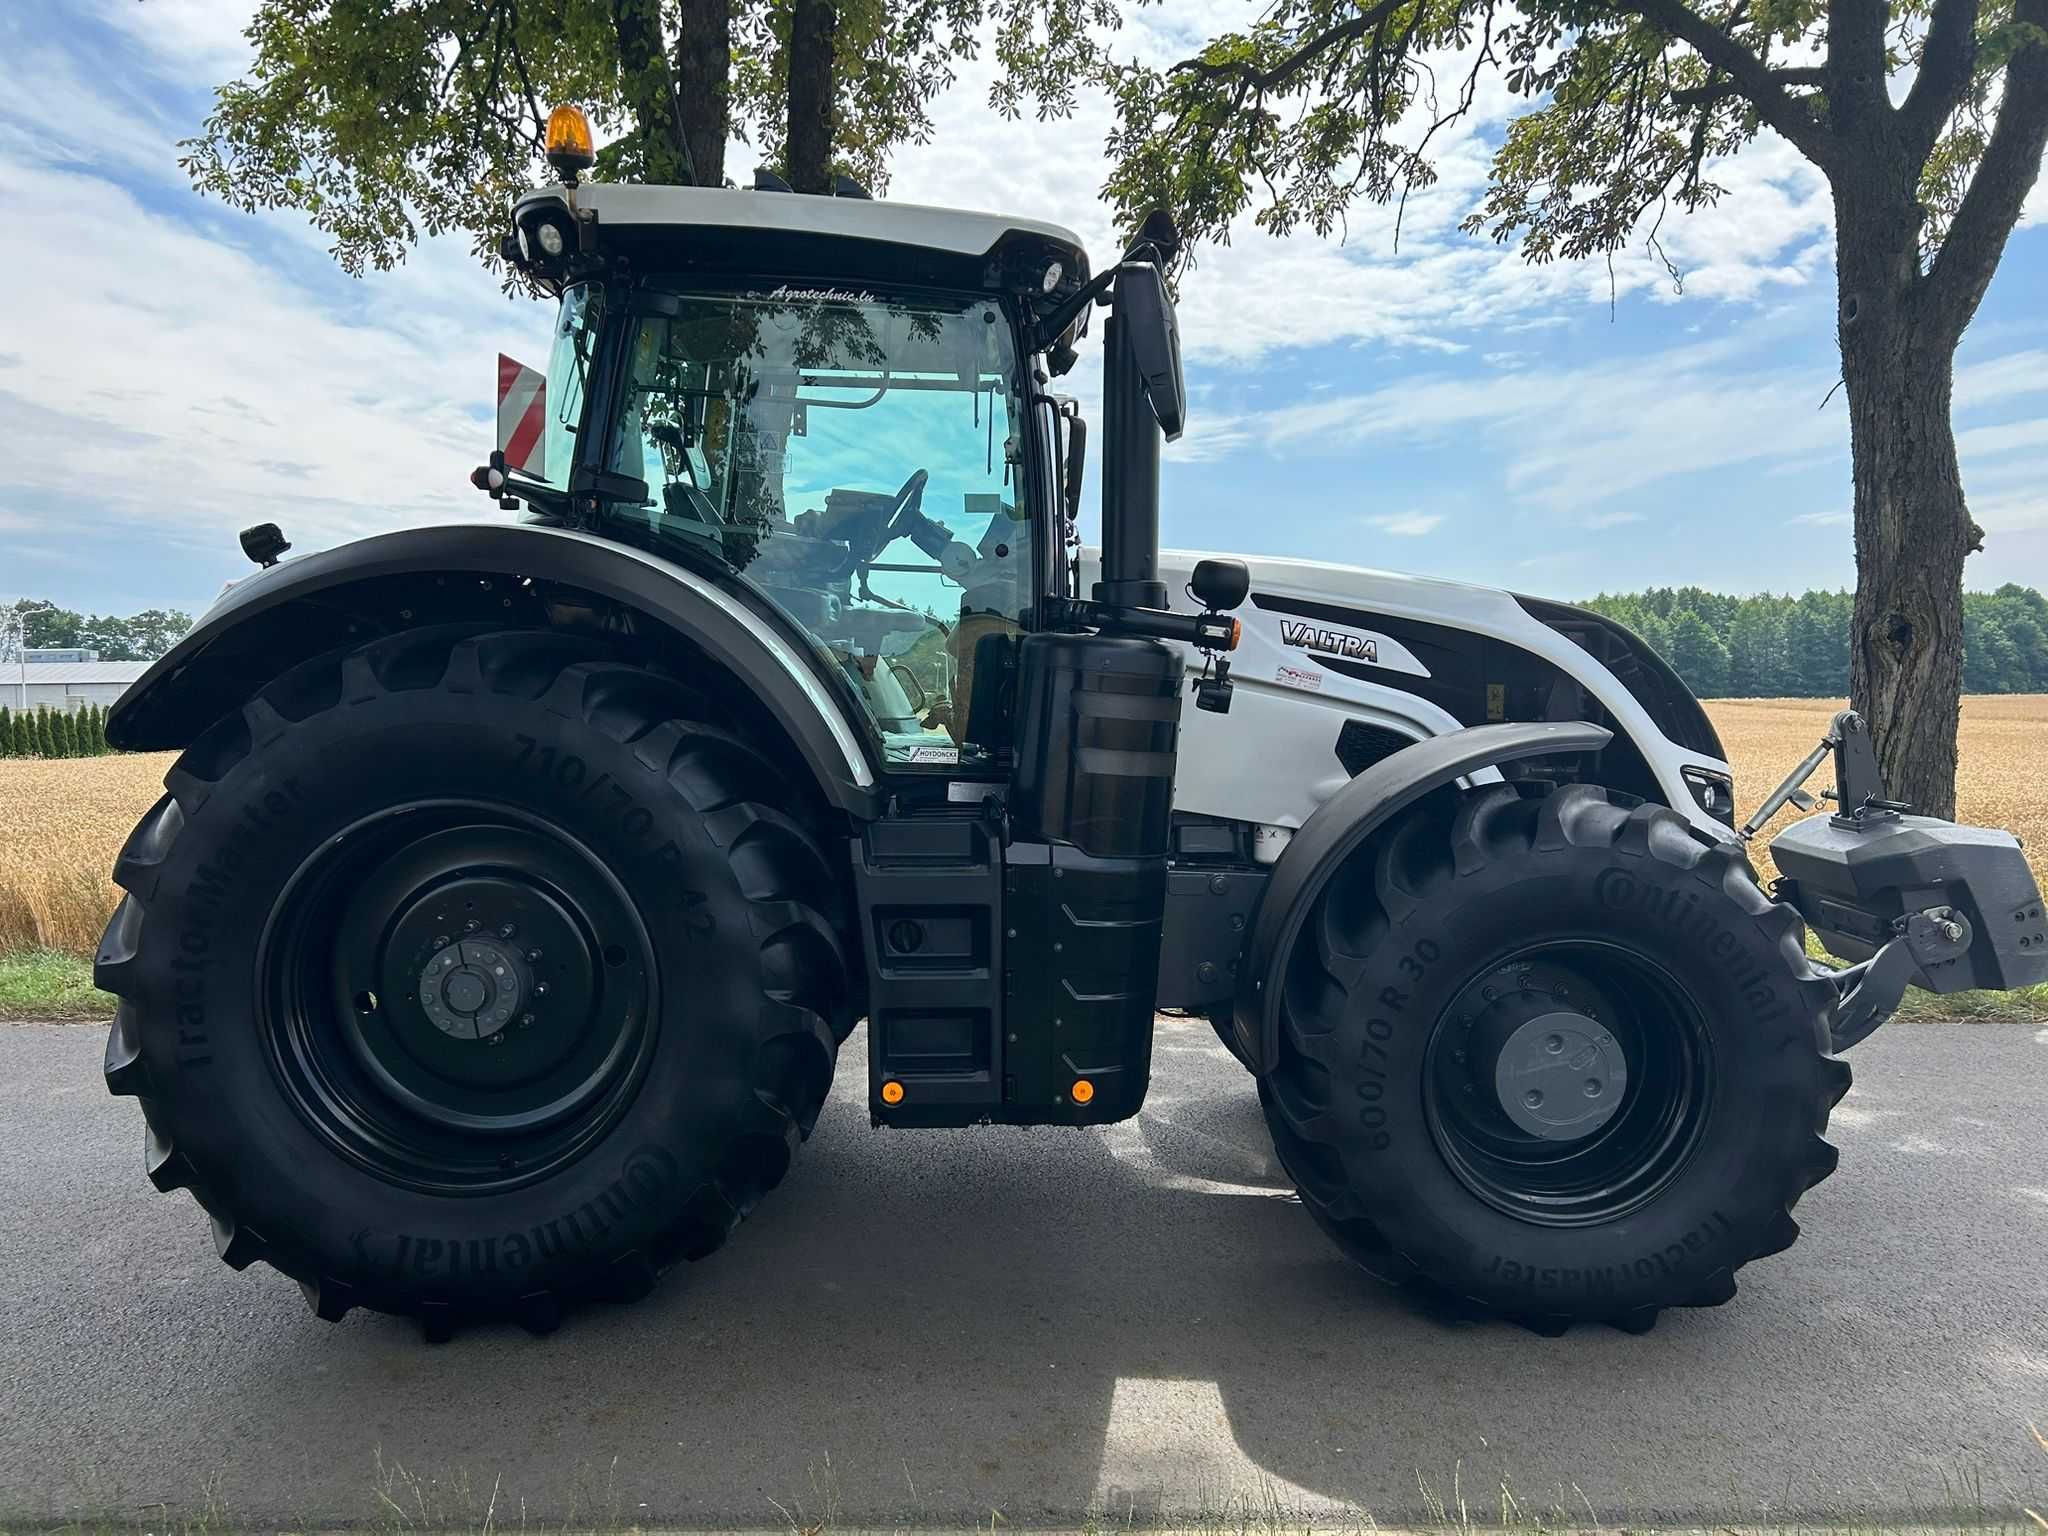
907,504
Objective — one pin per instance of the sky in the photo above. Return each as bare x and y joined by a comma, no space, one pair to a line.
172,370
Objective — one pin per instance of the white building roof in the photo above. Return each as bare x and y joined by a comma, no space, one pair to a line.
69,674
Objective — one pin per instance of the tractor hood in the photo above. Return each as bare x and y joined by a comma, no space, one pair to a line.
1418,656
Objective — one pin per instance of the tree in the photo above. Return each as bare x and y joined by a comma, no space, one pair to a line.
1321,102
1758,665
383,122
1698,656
46,733
142,637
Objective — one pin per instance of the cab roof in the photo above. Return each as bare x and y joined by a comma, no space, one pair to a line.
953,230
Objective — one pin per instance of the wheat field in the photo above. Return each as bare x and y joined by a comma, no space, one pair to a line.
62,822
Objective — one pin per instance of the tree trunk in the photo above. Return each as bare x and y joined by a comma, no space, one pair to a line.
649,90
1912,528
811,25
703,65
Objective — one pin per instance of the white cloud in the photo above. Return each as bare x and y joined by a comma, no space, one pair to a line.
2010,437
1609,519
1437,291
2020,509
1824,519
1573,437
1407,525
2000,378
185,383
1208,438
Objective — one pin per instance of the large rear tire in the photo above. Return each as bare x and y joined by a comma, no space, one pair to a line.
472,974
1553,1055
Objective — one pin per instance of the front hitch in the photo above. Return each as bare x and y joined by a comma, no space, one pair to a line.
1913,900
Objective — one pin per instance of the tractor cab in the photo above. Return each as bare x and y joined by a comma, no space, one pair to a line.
839,402
837,409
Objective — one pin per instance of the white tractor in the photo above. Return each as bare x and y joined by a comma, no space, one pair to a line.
519,881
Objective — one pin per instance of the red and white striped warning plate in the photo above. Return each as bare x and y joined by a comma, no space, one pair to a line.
522,413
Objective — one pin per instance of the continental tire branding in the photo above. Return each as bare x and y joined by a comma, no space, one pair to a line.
646,1186
1620,890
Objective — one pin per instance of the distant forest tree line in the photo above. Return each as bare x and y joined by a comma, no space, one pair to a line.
1798,647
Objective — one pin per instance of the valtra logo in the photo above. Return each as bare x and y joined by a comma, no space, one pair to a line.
1330,642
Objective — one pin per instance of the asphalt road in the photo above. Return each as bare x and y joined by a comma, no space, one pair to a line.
930,1327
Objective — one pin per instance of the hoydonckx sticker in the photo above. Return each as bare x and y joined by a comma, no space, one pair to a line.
1299,677
1331,642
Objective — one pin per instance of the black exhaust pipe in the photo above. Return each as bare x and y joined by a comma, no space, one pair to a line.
1130,478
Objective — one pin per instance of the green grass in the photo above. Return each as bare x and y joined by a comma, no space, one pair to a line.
50,984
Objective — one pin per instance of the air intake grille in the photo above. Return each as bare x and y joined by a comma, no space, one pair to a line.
1360,745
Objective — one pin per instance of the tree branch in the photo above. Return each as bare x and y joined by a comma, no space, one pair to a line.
1856,67
1948,61
1262,81
1746,73
1999,187
1721,90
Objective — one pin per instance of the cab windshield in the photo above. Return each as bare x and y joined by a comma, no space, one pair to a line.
859,460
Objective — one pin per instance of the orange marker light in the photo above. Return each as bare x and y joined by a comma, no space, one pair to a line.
1084,1091
892,1092
569,146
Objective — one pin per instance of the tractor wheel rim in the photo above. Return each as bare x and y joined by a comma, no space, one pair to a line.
456,995
1570,1082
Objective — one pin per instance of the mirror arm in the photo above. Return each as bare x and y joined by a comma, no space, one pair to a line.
1050,329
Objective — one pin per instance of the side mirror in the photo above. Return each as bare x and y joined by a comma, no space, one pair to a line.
1146,322
1220,585
1076,467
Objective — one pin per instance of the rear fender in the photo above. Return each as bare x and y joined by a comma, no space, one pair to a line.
519,574
1346,822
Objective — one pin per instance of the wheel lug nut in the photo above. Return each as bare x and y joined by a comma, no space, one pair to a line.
533,956
540,989
526,1018
506,930
471,926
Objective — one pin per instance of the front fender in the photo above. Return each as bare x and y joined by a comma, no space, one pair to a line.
512,572
1345,822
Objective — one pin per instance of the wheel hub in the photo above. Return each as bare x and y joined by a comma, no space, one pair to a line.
472,988
459,994
1560,1076
1568,1083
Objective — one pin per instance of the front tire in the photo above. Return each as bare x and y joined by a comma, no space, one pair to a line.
1551,1055
472,974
